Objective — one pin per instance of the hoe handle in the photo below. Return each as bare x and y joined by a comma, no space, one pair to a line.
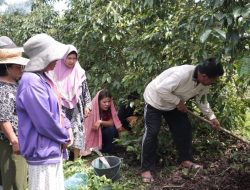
221,129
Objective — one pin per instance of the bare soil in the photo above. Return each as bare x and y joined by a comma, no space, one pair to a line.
228,172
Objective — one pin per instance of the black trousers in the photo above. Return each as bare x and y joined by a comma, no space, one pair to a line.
108,136
180,128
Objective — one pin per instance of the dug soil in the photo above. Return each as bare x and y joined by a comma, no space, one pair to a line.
228,172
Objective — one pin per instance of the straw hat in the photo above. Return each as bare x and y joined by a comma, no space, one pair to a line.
10,53
42,49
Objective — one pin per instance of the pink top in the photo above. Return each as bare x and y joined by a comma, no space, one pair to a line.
94,136
68,80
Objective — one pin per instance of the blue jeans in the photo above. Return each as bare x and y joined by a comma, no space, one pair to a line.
108,136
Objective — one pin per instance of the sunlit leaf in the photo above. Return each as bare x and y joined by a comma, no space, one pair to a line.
205,35
221,33
245,66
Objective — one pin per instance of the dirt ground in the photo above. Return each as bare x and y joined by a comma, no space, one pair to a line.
229,172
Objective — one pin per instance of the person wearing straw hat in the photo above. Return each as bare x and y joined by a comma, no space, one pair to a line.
13,167
44,132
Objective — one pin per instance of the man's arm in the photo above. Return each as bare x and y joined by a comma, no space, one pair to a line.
205,108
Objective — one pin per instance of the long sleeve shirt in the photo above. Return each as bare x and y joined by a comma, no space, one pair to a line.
175,84
40,132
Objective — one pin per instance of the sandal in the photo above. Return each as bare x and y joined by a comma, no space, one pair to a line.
190,165
85,153
196,166
147,177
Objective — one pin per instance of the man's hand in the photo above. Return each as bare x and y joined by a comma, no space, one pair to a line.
215,123
181,106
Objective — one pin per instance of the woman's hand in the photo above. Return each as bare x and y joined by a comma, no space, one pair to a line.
121,129
71,139
132,120
86,112
15,148
97,124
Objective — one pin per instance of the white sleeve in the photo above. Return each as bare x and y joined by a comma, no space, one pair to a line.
203,104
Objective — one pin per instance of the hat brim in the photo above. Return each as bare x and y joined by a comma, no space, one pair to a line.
15,60
55,52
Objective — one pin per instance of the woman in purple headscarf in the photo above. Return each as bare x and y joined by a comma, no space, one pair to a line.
70,79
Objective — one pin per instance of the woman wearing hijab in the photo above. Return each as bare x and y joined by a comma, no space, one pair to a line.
102,125
13,167
70,79
43,131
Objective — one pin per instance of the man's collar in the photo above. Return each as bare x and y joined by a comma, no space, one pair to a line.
195,75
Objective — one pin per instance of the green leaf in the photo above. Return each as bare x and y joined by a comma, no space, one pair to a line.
205,35
236,12
149,3
104,38
109,79
220,32
118,37
245,66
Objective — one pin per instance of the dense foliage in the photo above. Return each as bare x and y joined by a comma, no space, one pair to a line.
124,44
